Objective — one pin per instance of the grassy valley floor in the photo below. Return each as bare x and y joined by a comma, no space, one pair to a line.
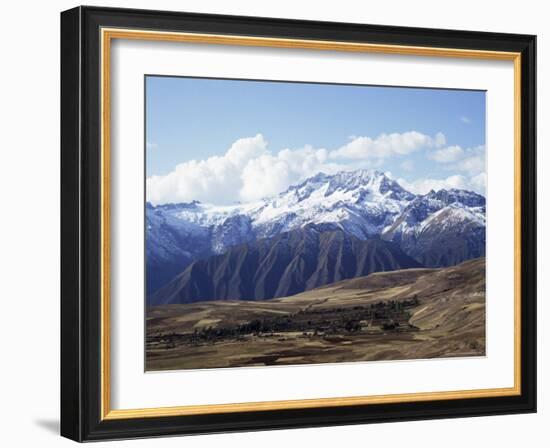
407,314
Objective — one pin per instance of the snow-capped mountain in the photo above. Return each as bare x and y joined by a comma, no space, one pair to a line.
364,204
441,228
361,203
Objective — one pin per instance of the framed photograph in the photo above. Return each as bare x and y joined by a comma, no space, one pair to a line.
273,223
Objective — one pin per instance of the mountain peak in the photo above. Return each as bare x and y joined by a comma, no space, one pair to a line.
363,181
359,175
465,197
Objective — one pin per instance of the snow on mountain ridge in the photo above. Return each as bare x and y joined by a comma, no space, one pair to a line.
363,203
423,206
451,215
370,190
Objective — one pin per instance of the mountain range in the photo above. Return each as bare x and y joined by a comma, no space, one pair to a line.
327,228
287,264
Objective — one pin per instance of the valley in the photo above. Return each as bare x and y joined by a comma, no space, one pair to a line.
414,313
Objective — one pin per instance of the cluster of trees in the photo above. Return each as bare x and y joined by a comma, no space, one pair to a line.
388,315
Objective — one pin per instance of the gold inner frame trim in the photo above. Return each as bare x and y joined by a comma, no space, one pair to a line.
107,35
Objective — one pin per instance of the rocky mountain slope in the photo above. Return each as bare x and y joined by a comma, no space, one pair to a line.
441,228
284,265
437,229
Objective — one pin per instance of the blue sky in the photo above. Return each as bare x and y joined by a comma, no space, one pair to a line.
423,137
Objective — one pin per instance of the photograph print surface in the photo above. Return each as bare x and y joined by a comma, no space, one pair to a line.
301,223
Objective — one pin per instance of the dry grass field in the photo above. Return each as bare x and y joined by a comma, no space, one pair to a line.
407,314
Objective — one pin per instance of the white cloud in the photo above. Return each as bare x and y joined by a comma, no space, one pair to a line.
472,161
387,145
472,165
469,160
151,145
246,172
249,171
423,186
446,155
465,120
440,140
263,176
479,183
216,179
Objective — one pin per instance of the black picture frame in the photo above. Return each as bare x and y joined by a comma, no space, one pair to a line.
81,224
